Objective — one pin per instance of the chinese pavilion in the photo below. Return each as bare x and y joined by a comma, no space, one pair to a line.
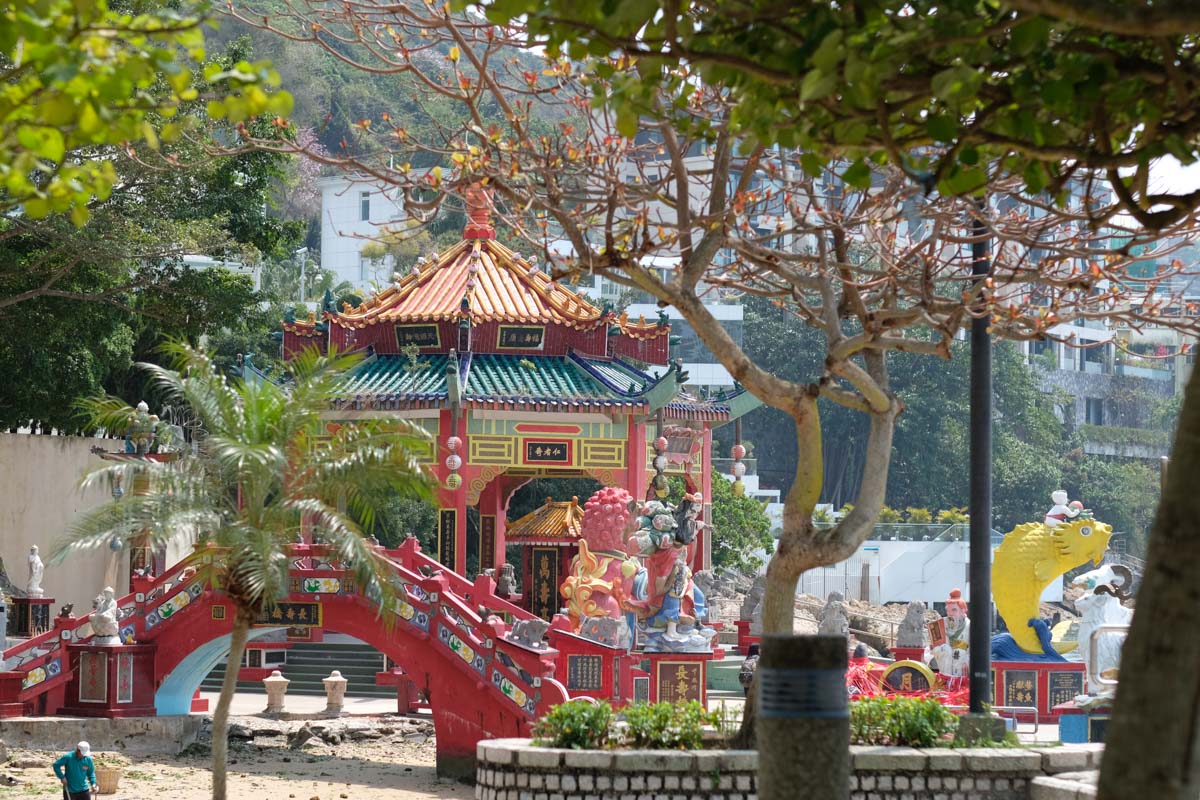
515,377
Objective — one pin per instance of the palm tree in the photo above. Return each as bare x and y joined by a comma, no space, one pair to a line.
269,463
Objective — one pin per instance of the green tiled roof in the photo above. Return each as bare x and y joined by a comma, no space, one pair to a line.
392,378
493,377
618,376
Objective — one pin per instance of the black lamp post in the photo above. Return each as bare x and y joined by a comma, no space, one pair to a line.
980,509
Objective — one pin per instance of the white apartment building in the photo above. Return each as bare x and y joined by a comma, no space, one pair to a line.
354,212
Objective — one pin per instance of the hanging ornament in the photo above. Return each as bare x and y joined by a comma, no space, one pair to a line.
661,486
738,451
453,462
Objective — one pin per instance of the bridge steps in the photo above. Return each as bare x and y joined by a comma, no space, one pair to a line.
309,663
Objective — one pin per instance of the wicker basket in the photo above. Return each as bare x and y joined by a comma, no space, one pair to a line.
108,780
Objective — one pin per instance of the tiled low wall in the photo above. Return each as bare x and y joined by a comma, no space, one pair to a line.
512,769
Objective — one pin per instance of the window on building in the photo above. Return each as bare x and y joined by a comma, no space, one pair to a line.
692,350
364,206
1094,411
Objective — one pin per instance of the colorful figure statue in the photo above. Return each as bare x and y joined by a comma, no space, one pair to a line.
1062,511
601,574
1033,555
668,606
953,656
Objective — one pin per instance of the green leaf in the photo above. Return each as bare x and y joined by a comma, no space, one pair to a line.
942,128
858,175
812,165
954,83
817,84
1031,36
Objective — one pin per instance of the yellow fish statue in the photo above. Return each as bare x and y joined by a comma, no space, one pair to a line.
1033,555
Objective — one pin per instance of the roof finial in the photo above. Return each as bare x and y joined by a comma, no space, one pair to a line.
479,213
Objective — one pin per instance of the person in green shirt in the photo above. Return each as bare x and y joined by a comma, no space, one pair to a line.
77,773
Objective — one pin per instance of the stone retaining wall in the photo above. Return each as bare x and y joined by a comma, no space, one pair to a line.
512,769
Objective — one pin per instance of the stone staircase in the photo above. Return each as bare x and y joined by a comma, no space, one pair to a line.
309,663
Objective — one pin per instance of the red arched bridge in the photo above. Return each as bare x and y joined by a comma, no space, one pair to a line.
479,684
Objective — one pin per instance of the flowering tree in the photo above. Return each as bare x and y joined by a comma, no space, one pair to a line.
860,254
683,200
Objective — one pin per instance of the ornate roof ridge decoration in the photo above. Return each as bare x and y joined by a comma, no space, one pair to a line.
554,522
484,281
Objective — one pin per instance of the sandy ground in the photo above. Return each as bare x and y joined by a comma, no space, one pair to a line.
399,765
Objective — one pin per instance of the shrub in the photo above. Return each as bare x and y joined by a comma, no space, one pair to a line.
582,725
911,721
954,516
919,515
887,514
577,725
666,726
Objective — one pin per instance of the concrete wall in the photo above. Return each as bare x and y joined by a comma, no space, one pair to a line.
512,769
40,476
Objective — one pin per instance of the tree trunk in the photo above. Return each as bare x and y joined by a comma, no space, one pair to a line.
220,727
1151,742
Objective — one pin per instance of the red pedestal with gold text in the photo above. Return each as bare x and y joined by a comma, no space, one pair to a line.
110,681
1037,684
592,669
679,677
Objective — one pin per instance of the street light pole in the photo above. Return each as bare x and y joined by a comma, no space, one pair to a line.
981,479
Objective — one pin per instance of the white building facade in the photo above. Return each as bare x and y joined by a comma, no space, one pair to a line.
356,211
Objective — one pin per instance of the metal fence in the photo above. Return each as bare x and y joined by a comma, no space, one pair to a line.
852,579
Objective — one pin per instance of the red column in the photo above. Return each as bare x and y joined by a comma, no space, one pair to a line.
704,550
635,459
492,520
452,502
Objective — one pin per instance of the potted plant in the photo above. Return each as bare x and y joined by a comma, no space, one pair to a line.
109,769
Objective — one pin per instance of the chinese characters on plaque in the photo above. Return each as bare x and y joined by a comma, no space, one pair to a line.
419,335
291,615
1020,687
547,452
545,582
447,531
487,542
515,337
679,681
906,677
1064,686
584,673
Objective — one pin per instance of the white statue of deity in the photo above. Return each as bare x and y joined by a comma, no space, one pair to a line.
36,570
104,618
1107,587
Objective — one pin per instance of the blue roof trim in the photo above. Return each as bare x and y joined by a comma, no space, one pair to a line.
600,378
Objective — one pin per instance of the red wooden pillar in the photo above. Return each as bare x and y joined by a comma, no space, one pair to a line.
635,460
452,497
492,522
704,540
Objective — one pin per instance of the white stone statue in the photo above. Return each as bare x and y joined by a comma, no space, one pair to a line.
104,618
36,570
1102,606
1062,511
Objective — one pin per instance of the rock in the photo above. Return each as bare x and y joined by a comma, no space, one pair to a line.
9,780
300,737
29,762
239,731
314,742
3,751
358,734
418,738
